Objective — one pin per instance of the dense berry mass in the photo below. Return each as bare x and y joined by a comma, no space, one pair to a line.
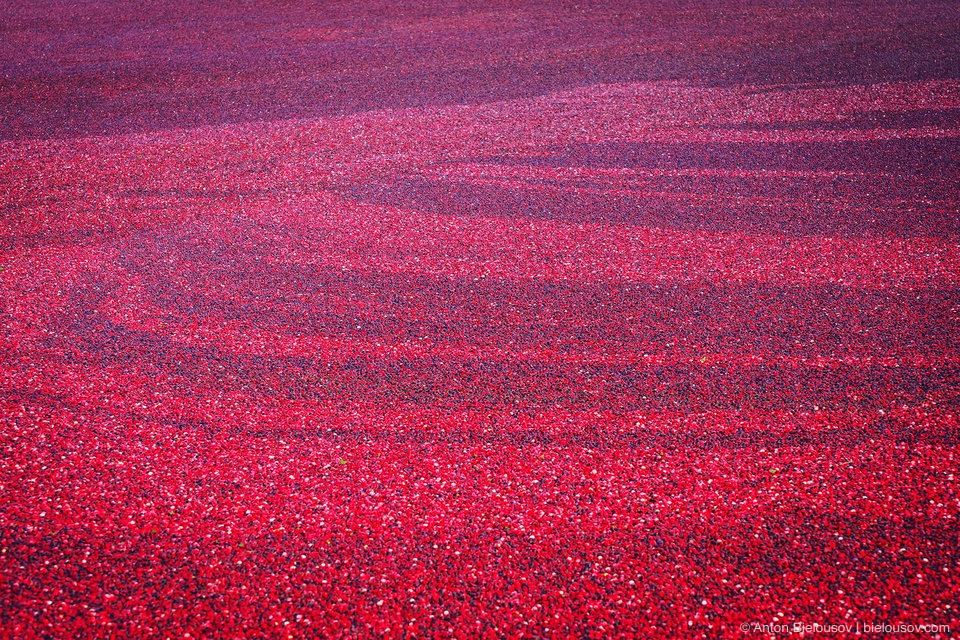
458,321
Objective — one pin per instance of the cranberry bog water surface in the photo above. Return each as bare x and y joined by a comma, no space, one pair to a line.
505,319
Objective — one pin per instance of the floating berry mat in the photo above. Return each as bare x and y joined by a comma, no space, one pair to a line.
491,320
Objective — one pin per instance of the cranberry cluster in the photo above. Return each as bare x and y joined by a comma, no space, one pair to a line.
627,360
